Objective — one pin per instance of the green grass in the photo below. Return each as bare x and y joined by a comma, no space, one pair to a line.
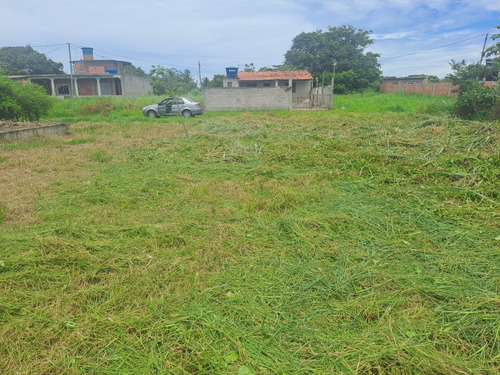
350,241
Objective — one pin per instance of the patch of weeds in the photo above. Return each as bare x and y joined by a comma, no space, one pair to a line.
142,154
101,156
3,159
3,212
396,108
101,107
79,141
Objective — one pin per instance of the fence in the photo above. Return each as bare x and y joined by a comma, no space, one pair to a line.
433,89
317,98
243,98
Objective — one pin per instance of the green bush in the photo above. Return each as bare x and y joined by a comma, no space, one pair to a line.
9,107
476,103
23,101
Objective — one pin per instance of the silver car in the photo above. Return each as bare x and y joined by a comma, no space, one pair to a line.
173,107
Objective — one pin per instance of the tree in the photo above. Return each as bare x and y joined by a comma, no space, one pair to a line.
25,60
467,76
249,68
475,100
317,51
165,79
136,71
216,81
494,51
23,101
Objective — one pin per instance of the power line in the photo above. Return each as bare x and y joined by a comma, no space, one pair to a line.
432,49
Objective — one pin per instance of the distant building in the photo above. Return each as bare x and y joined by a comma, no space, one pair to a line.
292,89
300,81
93,78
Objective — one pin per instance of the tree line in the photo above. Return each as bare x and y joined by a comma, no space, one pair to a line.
337,52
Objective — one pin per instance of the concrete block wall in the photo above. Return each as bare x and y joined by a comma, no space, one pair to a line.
227,99
136,86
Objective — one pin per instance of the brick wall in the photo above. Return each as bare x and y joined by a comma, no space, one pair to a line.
434,89
218,99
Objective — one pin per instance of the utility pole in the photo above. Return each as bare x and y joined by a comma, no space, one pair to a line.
72,86
199,74
484,47
333,78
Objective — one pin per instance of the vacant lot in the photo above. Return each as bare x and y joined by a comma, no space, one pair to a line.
351,241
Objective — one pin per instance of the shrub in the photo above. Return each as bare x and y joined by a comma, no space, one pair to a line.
9,108
476,103
99,106
34,101
23,101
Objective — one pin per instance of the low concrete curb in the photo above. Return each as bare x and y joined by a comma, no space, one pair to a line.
31,132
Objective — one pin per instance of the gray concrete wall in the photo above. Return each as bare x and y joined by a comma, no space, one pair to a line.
227,99
302,88
26,133
136,86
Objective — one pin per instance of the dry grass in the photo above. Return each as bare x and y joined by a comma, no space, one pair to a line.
266,242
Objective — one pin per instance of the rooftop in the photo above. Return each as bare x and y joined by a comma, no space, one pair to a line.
275,75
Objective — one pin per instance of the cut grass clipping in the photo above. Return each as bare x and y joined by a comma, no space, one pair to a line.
265,243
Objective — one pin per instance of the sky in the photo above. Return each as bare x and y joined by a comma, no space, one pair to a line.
411,36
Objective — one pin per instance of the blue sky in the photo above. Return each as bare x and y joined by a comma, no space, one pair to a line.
412,36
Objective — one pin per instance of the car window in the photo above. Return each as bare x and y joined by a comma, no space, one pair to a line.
178,101
165,101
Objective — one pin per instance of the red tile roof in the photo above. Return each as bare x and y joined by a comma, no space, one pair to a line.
272,76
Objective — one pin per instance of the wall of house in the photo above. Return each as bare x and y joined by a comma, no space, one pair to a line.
302,88
230,82
243,98
87,87
97,66
136,86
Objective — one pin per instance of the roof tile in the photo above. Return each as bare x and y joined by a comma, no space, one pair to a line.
275,75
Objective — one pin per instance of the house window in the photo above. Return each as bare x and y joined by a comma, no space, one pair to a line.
229,84
267,85
62,89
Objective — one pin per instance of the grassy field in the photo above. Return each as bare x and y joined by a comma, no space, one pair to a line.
363,240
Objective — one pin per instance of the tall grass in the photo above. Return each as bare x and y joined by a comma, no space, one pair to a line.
372,102
269,242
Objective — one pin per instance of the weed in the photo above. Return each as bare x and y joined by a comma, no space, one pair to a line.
356,240
3,212
101,107
101,156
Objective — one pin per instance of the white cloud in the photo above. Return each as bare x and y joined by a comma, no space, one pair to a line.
220,33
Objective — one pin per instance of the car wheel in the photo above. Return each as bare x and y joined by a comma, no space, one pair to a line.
152,114
187,113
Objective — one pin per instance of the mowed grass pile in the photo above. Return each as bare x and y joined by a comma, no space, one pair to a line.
356,242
